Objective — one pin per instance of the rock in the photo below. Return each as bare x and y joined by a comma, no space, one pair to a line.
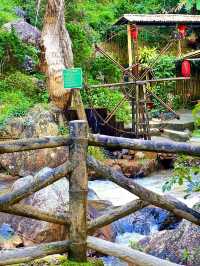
180,245
8,238
25,31
39,122
145,221
54,199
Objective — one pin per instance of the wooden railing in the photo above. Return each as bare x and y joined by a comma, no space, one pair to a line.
75,169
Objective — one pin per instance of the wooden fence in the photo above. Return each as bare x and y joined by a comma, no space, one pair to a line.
75,169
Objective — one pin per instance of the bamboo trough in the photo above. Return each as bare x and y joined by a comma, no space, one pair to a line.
75,169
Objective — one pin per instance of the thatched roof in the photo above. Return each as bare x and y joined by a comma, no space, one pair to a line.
159,19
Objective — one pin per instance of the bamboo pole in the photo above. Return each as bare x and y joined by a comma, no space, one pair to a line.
33,144
144,145
130,53
24,255
127,254
42,179
37,214
78,190
168,203
116,214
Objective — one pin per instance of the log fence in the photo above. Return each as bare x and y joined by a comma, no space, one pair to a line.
75,169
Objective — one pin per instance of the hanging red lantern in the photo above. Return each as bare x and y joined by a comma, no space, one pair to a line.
182,30
134,33
186,68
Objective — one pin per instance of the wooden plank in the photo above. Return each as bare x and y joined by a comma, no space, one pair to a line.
144,145
116,214
127,254
24,255
42,179
168,203
78,190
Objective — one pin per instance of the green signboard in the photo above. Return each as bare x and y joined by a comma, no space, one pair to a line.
73,78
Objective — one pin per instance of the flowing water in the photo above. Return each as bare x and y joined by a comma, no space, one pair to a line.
146,221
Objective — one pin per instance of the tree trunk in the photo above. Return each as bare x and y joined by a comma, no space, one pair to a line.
56,52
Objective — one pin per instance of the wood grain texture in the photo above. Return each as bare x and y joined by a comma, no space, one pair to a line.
127,254
116,214
42,179
23,255
144,145
78,190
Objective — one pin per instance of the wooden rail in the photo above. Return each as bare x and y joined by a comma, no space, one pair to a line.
75,169
144,145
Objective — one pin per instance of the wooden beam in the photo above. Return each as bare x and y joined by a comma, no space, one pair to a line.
127,254
139,82
116,214
42,179
78,190
168,203
144,145
24,255
77,100
33,144
130,52
34,213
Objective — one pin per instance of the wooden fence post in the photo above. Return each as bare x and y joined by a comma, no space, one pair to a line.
78,188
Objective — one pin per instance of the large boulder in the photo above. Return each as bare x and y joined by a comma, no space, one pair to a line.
25,31
53,199
39,122
180,245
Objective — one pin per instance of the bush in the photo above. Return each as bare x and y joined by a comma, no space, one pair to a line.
13,51
186,171
196,115
13,104
7,11
19,92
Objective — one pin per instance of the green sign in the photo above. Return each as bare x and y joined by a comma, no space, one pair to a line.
73,78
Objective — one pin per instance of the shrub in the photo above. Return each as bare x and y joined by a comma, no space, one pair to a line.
13,51
196,115
13,104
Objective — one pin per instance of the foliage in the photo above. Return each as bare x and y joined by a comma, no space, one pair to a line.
7,11
82,43
196,115
191,4
13,104
97,153
18,92
91,262
13,51
185,171
107,98
136,245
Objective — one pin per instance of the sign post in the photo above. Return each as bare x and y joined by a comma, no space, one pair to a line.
73,80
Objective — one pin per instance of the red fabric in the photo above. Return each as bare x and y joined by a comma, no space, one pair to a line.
186,68
134,33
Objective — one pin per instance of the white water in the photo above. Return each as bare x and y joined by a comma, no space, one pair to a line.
107,190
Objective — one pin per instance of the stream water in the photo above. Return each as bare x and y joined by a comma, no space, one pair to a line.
144,222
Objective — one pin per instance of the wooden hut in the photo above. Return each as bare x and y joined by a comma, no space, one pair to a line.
189,90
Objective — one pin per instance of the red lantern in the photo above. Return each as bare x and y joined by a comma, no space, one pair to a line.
182,30
186,68
134,33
